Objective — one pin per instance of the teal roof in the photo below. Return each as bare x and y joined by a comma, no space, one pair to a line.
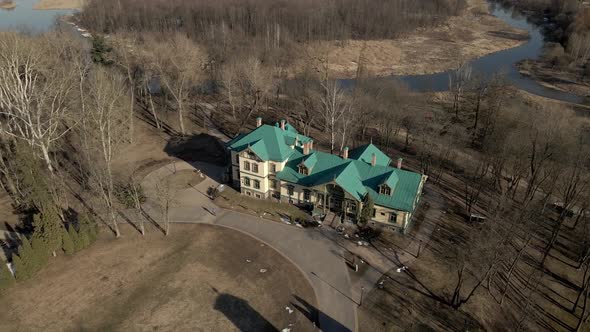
365,153
269,142
356,177
310,160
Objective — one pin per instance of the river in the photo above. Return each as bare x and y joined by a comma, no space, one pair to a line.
501,62
25,17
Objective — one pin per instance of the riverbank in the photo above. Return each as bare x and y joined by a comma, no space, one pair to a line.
7,4
559,79
59,4
472,35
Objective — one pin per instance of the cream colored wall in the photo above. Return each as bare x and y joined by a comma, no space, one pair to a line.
263,175
279,165
262,167
298,191
400,221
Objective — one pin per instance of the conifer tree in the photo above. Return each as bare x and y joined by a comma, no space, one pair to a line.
27,257
366,212
6,278
22,272
83,238
40,252
67,242
48,228
78,245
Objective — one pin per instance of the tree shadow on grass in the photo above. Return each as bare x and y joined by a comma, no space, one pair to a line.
317,317
11,242
241,313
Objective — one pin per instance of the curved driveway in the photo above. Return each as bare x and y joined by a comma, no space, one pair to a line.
315,254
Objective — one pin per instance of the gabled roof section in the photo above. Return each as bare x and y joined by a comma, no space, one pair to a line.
356,177
350,180
391,179
365,153
310,160
269,142
405,185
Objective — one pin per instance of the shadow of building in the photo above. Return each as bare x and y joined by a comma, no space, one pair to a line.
201,147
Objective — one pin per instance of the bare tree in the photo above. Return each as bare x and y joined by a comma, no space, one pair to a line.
136,196
180,67
255,83
458,81
126,58
105,125
165,200
334,105
36,81
229,77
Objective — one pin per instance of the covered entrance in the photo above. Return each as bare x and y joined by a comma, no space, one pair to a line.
334,197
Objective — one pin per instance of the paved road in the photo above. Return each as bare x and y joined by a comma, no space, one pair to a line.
317,252
316,255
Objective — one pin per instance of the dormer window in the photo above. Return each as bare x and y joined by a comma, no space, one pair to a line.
303,170
384,190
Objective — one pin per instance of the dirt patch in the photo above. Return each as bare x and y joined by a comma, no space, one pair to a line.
474,34
198,278
59,4
264,208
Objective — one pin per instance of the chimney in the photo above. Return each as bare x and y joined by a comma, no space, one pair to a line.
374,160
296,140
306,148
310,145
283,124
345,153
399,162
258,122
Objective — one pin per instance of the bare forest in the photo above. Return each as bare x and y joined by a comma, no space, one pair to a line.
80,122
274,22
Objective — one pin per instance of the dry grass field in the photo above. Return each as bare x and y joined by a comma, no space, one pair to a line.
196,279
59,4
474,34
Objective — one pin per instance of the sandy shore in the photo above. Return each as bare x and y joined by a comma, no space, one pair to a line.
7,4
59,4
474,34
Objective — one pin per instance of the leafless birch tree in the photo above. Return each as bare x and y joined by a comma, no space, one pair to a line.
179,64
36,81
106,124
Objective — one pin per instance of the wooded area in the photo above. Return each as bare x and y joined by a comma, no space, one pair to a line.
274,22
67,112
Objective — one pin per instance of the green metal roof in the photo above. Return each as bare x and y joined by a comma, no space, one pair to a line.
356,177
365,153
269,142
310,160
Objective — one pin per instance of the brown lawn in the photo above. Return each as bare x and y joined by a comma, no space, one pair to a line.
196,279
